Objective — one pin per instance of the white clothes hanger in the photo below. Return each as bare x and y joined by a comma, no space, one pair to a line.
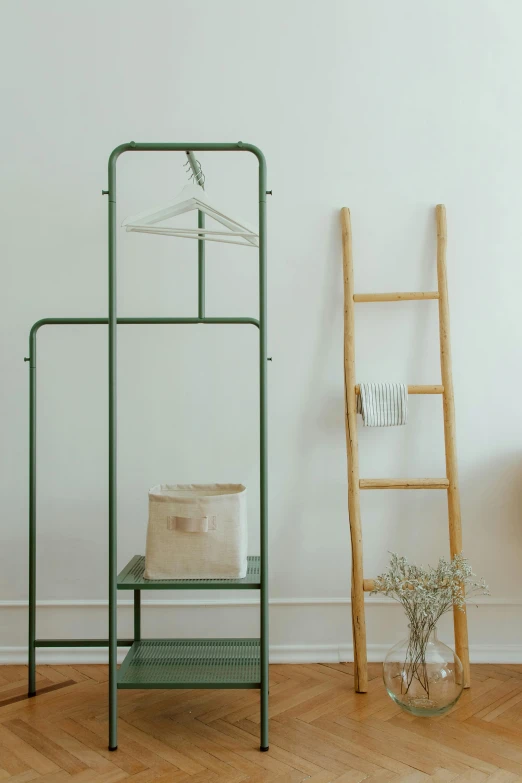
191,198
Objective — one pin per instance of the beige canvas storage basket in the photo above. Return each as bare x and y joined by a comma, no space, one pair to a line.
196,531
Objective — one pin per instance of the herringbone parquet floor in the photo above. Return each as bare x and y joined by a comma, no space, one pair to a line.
320,731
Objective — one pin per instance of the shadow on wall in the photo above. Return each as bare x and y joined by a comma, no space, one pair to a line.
491,501
316,494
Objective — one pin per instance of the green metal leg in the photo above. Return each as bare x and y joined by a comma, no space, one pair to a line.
201,268
137,615
263,456
31,691
113,487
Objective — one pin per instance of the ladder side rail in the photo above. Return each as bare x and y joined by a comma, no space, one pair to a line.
454,516
354,511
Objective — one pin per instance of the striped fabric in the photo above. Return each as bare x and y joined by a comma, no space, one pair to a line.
383,404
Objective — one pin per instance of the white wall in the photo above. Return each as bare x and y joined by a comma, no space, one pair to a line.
387,107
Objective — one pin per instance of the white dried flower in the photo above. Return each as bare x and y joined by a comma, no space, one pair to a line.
428,592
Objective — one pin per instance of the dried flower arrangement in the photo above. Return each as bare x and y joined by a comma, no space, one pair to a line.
426,593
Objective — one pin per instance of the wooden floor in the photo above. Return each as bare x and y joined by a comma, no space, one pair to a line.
320,731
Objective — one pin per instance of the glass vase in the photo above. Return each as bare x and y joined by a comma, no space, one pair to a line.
423,675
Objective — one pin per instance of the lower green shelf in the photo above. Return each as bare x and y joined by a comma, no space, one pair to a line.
192,663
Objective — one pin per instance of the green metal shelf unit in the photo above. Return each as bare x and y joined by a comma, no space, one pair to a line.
166,663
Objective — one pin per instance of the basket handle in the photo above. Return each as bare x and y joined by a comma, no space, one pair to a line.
191,524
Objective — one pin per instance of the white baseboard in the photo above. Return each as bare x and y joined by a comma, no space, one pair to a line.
479,653
370,600
303,630
315,653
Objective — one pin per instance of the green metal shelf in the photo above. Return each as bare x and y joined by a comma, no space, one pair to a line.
162,663
131,578
192,663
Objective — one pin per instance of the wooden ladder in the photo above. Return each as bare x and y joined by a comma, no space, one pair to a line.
355,483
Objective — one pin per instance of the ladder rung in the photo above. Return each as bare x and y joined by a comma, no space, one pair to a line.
415,483
416,389
398,296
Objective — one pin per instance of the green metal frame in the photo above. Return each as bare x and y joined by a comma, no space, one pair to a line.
113,321
131,578
191,663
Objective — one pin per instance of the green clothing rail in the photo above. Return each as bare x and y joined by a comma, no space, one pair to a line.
166,663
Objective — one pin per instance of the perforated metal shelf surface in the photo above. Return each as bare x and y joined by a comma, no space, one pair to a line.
131,578
192,663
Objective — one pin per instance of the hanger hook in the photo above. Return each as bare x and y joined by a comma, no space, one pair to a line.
195,168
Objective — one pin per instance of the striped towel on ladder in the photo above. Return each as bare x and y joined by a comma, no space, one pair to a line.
383,404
